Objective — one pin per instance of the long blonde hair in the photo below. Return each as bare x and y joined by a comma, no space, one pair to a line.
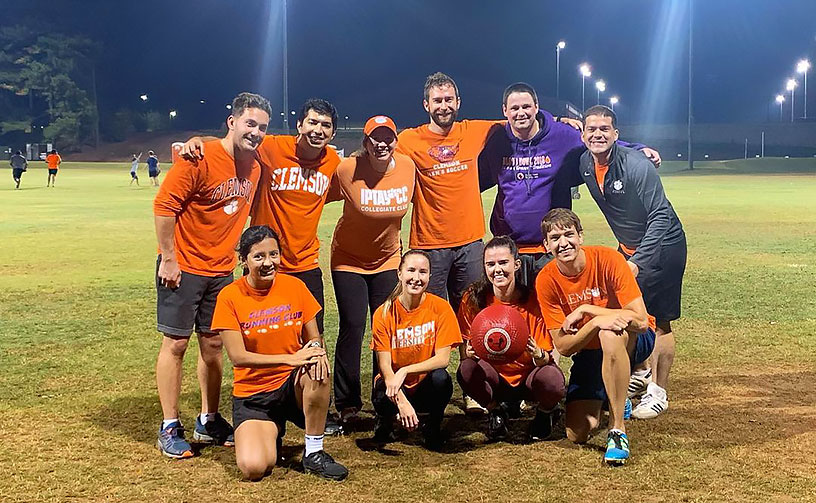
388,305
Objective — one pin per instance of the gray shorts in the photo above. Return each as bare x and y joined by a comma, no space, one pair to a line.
190,305
454,269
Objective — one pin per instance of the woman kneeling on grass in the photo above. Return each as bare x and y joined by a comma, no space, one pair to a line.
412,334
267,323
533,376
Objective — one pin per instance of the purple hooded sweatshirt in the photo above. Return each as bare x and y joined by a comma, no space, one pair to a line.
533,176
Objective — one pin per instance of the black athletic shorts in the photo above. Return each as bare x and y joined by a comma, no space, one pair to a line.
662,283
52,171
313,278
531,265
190,306
277,406
17,173
153,173
133,175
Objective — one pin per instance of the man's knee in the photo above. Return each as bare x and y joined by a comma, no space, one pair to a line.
662,327
174,346
441,381
211,347
254,467
578,435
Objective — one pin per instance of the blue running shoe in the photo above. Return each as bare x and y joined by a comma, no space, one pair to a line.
171,442
216,431
627,409
617,448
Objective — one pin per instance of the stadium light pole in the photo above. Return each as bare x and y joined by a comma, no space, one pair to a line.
791,86
802,67
690,132
780,99
586,71
601,87
613,101
558,48
285,72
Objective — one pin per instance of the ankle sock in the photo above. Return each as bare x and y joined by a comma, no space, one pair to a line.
314,443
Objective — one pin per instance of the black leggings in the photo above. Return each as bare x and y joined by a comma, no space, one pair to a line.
357,295
430,396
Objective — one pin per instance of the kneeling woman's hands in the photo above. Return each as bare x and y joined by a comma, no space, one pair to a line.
315,360
407,415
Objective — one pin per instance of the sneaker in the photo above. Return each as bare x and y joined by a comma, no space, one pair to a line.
653,403
216,431
497,424
433,437
349,415
171,442
472,407
541,427
617,448
320,463
384,430
333,426
638,382
627,409
513,409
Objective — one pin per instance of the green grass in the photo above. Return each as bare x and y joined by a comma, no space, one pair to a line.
78,347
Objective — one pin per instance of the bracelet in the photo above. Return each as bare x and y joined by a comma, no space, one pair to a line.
314,344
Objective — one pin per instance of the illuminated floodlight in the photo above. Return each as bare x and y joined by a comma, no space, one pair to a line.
600,86
780,99
229,107
803,66
143,97
173,114
561,44
585,69
790,85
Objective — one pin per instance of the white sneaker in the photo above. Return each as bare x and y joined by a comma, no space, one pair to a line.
472,407
653,403
638,382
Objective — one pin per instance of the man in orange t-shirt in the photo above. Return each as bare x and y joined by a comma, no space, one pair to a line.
595,313
53,160
200,212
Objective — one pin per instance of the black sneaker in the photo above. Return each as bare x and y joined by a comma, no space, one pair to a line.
217,431
320,463
433,437
333,426
541,427
497,424
384,430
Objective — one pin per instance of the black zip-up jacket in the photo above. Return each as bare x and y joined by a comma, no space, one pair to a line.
634,204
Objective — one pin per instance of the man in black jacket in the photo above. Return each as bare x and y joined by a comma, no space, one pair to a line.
628,192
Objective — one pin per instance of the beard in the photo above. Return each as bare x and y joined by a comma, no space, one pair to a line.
446,122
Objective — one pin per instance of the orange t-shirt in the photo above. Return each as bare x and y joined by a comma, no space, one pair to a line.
211,202
600,175
290,199
606,281
414,336
516,371
271,323
447,202
367,236
53,161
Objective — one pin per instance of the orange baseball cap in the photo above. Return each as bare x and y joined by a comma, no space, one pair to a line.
379,121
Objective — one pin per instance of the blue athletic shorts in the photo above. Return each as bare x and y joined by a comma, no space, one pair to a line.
586,382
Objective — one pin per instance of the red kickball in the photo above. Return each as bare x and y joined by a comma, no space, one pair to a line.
499,334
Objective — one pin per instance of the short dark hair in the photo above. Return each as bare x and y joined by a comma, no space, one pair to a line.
601,111
560,217
438,79
320,106
254,235
519,87
19,152
250,100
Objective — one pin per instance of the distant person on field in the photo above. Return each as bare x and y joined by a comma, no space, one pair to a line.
281,369
153,170
53,160
628,192
595,313
18,167
200,212
134,166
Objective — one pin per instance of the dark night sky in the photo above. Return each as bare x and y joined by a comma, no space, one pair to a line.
370,57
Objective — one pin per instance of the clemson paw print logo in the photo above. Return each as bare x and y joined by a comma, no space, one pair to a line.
443,153
232,207
617,184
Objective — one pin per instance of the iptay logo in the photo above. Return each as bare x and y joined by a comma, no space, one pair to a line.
443,153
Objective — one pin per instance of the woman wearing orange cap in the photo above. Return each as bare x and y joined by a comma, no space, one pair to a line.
376,184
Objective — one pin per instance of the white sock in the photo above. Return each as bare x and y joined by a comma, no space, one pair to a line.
642,373
168,422
615,429
209,416
314,443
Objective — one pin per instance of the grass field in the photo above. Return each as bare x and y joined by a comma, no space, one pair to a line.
78,347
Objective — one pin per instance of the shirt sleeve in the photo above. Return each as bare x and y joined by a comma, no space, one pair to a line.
549,303
658,217
308,303
177,188
225,316
624,284
447,333
465,317
380,333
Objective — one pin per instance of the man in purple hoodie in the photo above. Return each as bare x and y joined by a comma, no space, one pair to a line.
534,160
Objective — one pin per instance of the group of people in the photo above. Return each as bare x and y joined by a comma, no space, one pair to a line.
19,165
591,303
153,170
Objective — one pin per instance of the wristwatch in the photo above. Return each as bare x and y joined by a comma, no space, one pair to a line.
314,344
